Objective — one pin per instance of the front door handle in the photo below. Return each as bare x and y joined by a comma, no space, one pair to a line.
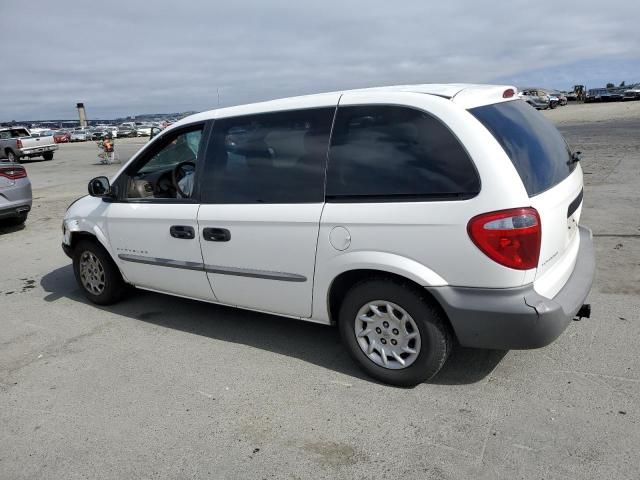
182,231
216,234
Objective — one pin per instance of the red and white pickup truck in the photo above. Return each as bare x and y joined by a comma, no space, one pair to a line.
17,143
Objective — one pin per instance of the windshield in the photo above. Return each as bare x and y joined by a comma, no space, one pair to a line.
535,146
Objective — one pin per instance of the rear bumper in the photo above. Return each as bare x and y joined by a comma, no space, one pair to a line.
518,318
36,151
14,211
15,199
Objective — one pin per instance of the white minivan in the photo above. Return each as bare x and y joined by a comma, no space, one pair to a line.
410,216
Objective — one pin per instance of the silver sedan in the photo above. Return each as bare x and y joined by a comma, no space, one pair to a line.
15,194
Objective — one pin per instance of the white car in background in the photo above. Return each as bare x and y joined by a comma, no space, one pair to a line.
409,216
143,130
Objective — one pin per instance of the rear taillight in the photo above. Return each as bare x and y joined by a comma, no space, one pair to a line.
509,237
13,173
19,143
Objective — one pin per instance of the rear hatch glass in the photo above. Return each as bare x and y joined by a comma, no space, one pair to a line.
535,146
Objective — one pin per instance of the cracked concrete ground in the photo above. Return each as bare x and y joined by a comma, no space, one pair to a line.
160,387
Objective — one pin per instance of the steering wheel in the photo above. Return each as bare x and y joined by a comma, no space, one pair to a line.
178,173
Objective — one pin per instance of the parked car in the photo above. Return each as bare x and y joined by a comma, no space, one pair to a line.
61,136
536,98
616,95
111,130
553,100
15,194
79,135
631,94
97,133
126,131
143,131
17,143
562,98
597,95
602,95
407,220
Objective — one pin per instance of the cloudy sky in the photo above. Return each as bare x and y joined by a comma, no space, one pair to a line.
121,58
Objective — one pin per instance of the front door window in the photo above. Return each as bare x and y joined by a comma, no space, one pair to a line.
168,171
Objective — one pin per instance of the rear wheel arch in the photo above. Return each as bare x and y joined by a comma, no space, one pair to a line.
349,279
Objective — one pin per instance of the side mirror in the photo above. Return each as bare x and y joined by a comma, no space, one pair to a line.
154,132
99,187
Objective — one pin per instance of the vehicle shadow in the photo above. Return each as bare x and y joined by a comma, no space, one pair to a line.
27,160
6,228
316,344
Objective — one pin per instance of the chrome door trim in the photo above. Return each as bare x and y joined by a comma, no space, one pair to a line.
239,272
247,272
163,262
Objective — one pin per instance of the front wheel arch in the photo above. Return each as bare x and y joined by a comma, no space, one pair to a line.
78,236
105,271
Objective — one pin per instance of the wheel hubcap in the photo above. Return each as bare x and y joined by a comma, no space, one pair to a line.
387,334
92,273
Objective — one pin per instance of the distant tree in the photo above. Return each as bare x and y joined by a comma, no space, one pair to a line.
622,84
610,85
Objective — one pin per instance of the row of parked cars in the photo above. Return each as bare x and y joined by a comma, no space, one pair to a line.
605,95
83,134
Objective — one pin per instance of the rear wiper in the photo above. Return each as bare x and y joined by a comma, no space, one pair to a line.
575,158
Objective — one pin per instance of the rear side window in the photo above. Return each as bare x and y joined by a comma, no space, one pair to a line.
275,157
19,133
535,146
393,152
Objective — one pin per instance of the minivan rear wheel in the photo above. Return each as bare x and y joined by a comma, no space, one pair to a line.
97,274
394,332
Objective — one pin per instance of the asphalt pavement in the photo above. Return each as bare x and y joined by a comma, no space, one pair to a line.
162,387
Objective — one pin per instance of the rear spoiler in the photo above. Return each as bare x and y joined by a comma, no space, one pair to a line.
477,96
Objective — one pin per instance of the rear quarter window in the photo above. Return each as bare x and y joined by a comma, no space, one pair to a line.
535,146
19,133
396,153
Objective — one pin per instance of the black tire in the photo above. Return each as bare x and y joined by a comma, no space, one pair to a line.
435,335
47,155
12,157
114,286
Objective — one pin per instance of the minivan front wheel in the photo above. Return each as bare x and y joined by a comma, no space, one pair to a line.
394,332
97,274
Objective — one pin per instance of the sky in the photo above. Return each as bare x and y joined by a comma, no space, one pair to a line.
131,57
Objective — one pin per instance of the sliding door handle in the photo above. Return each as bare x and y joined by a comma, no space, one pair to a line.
216,234
183,232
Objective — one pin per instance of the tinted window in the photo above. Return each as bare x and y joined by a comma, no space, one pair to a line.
534,145
268,158
383,151
19,133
